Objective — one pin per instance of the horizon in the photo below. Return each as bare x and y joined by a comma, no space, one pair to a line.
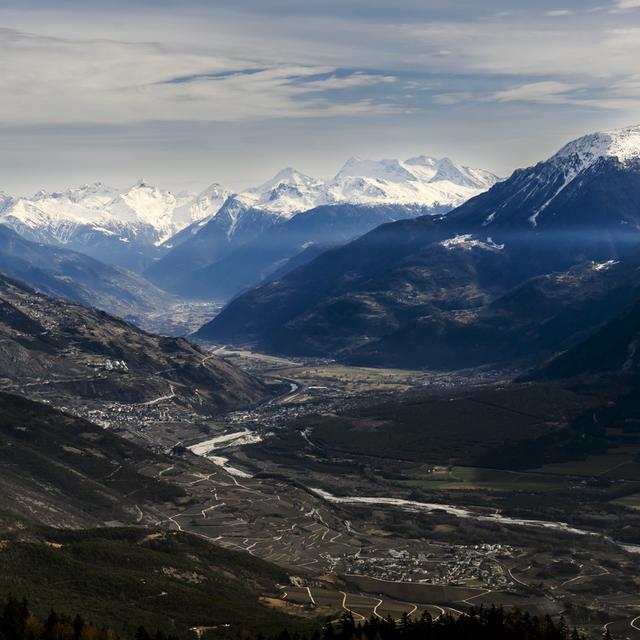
187,94
130,184
143,181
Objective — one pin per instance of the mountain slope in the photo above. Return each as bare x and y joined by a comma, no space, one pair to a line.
592,184
381,189
353,294
76,277
544,314
282,247
81,507
403,283
128,577
613,348
56,469
206,242
67,353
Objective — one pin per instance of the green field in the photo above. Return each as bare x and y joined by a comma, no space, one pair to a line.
488,479
514,427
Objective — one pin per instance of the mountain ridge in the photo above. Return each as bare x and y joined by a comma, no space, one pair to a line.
135,226
436,270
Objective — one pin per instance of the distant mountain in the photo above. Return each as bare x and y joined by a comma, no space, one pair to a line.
242,261
74,276
423,181
123,227
136,226
435,291
234,225
256,232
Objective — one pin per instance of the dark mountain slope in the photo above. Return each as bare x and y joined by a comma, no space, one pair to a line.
73,352
74,276
234,225
287,245
544,314
402,294
60,470
613,348
128,577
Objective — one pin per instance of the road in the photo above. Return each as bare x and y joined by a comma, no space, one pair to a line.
169,396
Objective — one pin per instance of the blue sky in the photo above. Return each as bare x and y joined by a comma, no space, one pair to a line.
193,92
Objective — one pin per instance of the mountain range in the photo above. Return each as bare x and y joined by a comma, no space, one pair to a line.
488,282
136,226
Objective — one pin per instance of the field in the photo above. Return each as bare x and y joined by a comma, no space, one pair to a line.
504,427
474,478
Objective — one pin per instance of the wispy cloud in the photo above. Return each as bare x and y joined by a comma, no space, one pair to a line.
73,81
557,13
625,5
350,81
547,92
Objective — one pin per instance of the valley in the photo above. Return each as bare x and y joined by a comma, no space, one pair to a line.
474,535
370,526
396,414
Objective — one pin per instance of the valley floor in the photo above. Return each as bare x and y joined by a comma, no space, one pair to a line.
371,489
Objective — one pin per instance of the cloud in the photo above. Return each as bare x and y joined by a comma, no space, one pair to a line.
250,78
54,80
556,13
447,99
621,6
348,82
547,92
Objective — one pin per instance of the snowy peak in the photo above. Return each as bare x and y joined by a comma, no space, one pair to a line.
143,214
422,161
623,144
289,177
422,181
570,188
201,208
287,193
144,204
141,211
389,170
582,154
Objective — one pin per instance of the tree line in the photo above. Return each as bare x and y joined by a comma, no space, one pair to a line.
17,622
479,624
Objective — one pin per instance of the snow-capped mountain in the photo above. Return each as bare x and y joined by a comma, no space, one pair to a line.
133,227
5,201
424,181
576,186
250,234
142,207
121,226
527,267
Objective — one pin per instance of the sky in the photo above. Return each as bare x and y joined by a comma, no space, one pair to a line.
191,92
